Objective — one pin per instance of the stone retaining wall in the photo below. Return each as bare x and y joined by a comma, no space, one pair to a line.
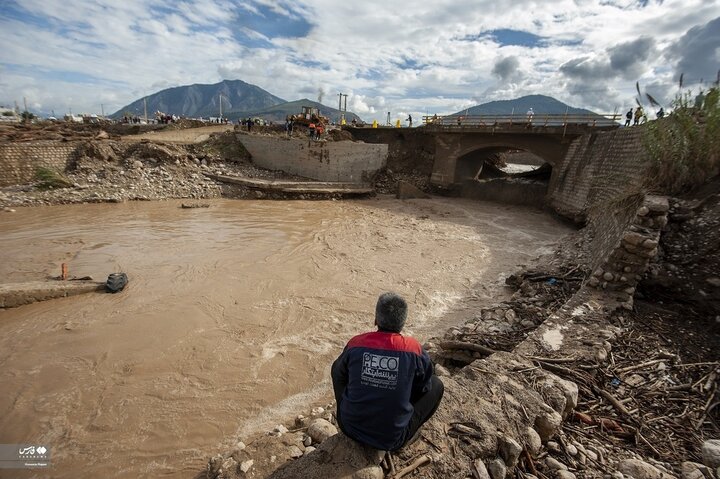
19,161
345,161
621,269
598,168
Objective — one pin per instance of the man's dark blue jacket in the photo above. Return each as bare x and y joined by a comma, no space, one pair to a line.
377,378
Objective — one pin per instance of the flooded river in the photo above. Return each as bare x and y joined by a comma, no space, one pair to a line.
231,319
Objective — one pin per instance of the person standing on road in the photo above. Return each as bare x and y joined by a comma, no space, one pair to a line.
249,123
628,117
638,114
409,120
384,384
311,130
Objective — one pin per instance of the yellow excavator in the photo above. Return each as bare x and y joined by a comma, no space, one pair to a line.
310,115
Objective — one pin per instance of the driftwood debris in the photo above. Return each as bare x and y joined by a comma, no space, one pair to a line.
420,461
194,205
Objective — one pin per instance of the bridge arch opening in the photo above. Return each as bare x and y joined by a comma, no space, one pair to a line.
503,174
499,162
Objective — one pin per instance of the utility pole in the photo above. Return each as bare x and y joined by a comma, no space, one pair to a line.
387,122
102,110
344,108
340,95
220,95
145,107
25,103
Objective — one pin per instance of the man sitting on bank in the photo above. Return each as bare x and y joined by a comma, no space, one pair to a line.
384,384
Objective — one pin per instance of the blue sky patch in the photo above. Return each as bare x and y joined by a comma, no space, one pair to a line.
272,24
310,64
506,37
407,63
17,12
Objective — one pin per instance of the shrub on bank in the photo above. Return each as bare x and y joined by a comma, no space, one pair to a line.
50,179
684,147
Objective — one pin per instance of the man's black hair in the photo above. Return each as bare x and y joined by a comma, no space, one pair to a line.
390,312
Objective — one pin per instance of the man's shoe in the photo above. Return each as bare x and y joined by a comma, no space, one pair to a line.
413,439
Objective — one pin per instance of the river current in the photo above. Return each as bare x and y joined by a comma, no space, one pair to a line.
232,316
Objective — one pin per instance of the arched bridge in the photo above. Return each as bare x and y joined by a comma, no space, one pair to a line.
463,143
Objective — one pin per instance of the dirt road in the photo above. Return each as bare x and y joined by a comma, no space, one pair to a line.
187,135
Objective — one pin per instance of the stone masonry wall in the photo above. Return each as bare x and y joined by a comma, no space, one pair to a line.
619,270
344,161
598,167
19,161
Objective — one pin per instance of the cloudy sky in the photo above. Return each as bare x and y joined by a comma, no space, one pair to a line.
421,57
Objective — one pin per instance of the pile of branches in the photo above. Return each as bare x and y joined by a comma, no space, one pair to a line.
657,394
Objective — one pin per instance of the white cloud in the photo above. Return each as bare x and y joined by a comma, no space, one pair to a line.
386,55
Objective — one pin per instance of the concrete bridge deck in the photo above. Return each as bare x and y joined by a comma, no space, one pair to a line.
545,123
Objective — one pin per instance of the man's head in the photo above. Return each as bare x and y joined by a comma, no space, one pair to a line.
390,312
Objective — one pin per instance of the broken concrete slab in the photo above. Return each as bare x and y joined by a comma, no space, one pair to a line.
17,294
299,187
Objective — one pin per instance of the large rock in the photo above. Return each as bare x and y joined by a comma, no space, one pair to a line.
497,469
711,453
337,457
560,394
692,470
642,470
321,429
533,443
547,424
509,450
480,469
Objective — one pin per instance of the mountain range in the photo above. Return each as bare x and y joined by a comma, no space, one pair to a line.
243,100
239,100
540,104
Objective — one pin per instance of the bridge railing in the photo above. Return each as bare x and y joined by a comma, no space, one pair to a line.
543,120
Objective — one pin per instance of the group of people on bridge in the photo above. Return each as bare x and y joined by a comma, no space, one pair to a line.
639,117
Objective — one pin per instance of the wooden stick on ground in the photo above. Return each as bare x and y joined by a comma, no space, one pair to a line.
420,461
639,366
613,400
391,462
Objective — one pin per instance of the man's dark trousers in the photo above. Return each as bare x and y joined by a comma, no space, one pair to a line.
424,407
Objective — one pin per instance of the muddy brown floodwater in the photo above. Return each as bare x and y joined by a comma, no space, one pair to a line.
232,316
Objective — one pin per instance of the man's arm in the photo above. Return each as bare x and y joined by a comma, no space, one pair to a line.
339,374
423,375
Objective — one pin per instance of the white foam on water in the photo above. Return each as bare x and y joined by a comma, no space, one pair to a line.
287,408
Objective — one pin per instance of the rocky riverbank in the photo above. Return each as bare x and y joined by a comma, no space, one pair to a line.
106,170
